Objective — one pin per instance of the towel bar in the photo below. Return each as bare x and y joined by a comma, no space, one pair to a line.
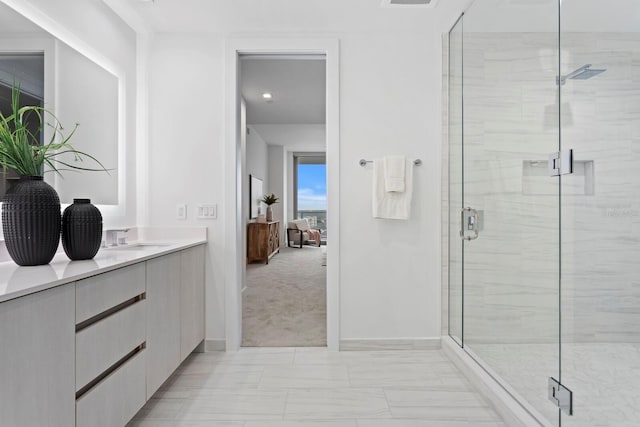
364,162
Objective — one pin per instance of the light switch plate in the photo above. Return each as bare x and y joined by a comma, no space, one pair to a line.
207,211
181,211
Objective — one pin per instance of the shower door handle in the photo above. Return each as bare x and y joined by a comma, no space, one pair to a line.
469,224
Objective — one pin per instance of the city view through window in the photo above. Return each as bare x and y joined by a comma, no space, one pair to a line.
312,195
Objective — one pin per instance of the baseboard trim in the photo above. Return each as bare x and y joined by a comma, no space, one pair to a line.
390,344
215,345
513,413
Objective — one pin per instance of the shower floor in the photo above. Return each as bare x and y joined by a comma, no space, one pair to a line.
604,378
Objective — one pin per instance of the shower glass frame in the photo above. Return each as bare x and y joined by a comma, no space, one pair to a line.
498,321
455,132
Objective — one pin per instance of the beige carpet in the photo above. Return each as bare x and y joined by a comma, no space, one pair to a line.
284,304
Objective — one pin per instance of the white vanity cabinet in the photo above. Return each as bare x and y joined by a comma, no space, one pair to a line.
116,399
37,335
192,319
111,317
137,324
175,315
163,319
92,352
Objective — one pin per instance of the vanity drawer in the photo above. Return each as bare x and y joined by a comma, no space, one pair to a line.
117,398
102,344
100,293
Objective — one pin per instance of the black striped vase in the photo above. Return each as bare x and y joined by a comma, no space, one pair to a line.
31,221
81,230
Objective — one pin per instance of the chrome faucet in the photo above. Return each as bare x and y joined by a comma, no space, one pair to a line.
112,237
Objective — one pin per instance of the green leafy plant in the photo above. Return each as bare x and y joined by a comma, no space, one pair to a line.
20,148
269,199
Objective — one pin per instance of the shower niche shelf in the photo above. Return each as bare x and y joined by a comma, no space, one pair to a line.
537,182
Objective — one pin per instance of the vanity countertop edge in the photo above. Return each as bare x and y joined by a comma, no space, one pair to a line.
16,281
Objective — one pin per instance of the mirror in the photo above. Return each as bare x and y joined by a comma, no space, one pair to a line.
76,89
88,95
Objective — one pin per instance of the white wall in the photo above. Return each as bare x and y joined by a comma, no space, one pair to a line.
390,280
390,95
187,160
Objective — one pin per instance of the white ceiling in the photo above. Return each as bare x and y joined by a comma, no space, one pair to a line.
356,16
298,87
256,16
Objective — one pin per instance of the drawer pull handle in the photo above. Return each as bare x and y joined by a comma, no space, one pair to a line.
111,369
98,317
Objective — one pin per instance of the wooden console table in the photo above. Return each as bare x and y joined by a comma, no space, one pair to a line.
263,240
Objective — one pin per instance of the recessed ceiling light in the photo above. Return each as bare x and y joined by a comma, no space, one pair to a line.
267,95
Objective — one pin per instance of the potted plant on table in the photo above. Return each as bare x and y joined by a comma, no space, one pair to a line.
269,200
31,218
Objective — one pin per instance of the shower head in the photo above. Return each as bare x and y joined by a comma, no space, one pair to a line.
583,73
586,73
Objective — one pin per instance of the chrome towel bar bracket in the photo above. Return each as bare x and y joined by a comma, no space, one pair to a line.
364,162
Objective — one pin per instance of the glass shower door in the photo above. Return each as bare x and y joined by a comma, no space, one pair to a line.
511,218
600,90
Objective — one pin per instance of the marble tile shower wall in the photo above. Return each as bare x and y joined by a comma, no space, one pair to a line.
601,232
511,270
511,122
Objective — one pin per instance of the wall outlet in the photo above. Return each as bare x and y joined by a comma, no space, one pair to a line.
181,211
207,211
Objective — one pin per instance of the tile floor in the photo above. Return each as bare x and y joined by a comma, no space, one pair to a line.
604,378
289,387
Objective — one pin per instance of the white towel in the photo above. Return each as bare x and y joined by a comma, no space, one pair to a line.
391,205
394,173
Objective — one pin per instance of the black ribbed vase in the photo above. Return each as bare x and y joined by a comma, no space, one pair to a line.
81,230
31,221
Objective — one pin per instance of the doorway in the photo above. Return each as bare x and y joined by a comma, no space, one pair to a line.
283,108
256,141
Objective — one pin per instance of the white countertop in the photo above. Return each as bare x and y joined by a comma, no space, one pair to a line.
16,281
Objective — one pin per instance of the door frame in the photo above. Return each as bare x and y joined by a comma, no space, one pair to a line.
235,244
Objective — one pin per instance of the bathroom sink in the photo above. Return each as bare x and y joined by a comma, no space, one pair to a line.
140,246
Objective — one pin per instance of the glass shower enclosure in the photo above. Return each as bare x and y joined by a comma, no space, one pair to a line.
544,203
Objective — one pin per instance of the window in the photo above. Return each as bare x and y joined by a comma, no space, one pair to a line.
311,190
